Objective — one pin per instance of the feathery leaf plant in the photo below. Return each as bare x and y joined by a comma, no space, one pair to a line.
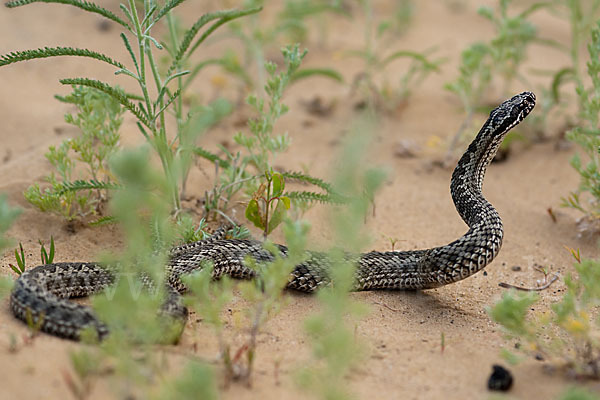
335,349
501,56
568,332
372,80
247,171
99,117
257,35
587,136
150,107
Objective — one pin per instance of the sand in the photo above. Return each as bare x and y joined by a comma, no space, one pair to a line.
402,332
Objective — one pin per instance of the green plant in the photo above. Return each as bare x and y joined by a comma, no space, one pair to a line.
20,257
334,346
151,113
75,194
582,17
126,357
250,170
7,216
87,368
197,381
576,393
131,309
587,136
568,332
264,295
501,57
45,257
268,206
383,95
257,34
208,298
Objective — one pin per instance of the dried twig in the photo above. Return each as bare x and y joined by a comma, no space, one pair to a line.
386,306
545,285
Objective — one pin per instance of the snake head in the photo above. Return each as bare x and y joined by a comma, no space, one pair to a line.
508,114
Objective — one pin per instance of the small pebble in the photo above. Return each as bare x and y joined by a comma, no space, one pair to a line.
515,268
501,379
484,273
104,25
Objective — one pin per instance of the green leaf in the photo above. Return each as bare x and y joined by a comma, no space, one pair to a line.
86,185
511,312
410,54
7,217
105,220
46,52
559,78
278,185
166,8
115,93
253,214
323,72
286,201
278,215
15,269
312,197
84,5
221,16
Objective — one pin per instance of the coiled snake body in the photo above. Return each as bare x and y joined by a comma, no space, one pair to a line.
44,290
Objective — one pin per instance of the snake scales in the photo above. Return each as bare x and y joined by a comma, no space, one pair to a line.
44,290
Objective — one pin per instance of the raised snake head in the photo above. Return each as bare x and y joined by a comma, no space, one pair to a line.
508,114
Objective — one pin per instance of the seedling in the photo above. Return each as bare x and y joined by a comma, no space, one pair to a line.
268,206
20,257
45,256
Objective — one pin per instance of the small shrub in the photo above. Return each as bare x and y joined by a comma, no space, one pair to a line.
82,178
587,136
568,332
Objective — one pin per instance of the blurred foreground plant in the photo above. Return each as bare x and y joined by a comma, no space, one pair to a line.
372,79
568,332
131,308
335,347
587,136
72,194
500,57
8,215
251,170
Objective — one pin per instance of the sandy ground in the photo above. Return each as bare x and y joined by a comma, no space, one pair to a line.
402,331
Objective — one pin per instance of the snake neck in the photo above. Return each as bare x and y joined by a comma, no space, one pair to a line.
467,180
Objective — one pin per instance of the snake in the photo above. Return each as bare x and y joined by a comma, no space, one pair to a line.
42,294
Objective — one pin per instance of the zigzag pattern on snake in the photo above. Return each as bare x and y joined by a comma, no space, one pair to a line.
45,290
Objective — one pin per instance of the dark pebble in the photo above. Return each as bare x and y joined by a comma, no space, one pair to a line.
515,268
104,25
484,273
501,379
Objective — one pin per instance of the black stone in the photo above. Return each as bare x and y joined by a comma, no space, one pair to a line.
501,379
